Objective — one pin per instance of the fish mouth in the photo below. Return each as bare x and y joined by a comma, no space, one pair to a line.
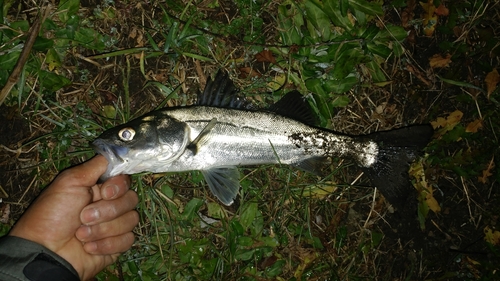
113,153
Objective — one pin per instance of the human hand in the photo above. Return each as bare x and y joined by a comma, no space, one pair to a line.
85,223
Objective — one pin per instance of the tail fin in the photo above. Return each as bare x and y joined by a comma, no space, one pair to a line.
397,149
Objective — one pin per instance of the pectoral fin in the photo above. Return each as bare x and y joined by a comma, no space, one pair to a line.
201,138
224,182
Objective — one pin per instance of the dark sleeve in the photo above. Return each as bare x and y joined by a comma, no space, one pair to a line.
21,259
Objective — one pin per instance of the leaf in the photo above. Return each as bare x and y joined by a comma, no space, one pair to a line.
109,111
425,190
369,8
487,172
315,13
491,80
332,9
437,61
474,126
441,10
52,59
67,8
429,18
248,214
265,56
460,83
448,123
491,236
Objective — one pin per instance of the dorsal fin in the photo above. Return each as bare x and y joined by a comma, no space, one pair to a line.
221,92
295,106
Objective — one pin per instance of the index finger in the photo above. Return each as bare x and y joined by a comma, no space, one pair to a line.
85,174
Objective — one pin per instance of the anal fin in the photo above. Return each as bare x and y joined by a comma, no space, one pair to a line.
312,165
224,182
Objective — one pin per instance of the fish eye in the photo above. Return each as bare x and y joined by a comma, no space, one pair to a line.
126,134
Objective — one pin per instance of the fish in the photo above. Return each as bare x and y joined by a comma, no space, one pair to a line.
222,131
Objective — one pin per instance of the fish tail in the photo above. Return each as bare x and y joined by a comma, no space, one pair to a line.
396,150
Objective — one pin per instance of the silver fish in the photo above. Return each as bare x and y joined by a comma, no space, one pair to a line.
220,133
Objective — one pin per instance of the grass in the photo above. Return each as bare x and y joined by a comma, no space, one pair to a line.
364,67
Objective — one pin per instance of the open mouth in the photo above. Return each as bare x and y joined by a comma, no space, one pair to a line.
113,153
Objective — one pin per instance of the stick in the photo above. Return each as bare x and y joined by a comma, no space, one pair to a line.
21,61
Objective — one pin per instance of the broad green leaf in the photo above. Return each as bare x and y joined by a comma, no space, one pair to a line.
315,14
8,60
377,73
52,59
244,254
191,209
340,101
290,22
340,86
344,6
90,38
369,8
390,33
248,214
67,8
379,49
314,85
215,210
346,62
332,9
52,82
109,111
42,44
244,241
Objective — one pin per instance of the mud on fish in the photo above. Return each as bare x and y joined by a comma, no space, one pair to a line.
219,133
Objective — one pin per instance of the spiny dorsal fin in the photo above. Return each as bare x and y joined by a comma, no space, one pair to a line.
221,92
294,105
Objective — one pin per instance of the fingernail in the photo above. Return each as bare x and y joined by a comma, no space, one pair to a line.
90,215
110,191
90,247
83,232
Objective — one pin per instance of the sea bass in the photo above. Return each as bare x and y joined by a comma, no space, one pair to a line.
220,133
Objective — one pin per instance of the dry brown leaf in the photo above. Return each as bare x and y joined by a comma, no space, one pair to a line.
441,10
474,126
265,56
487,172
437,61
450,121
492,80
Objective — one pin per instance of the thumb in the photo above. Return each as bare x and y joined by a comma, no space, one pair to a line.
84,175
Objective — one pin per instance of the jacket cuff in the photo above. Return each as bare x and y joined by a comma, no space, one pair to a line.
21,259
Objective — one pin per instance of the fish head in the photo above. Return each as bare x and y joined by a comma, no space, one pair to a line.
141,145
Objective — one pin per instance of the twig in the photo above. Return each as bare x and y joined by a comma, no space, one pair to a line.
23,57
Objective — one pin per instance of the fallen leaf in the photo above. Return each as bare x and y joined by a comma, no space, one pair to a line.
491,80
265,56
441,10
437,61
492,237
487,172
450,122
425,190
246,72
430,19
474,126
